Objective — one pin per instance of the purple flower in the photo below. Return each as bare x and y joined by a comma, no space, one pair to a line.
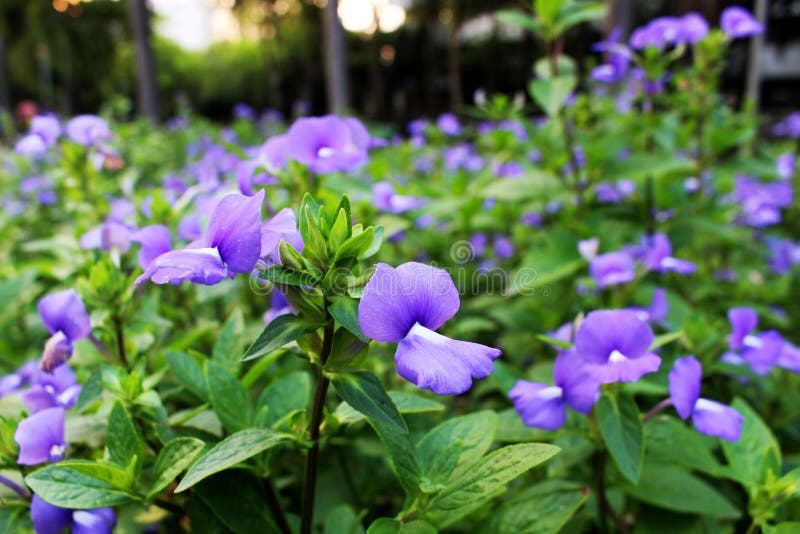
612,268
544,406
783,254
761,203
278,305
738,22
693,27
785,165
532,218
658,33
31,145
50,519
788,127
615,344
417,127
385,198
232,245
503,247
111,235
328,144
448,124
761,351
47,127
282,225
65,317
656,254
274,153
405,305
155,241
49,390
41,437
88,130
709,417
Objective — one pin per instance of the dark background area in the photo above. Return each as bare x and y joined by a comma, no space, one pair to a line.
81,58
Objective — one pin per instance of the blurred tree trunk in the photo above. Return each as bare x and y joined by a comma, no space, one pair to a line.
753,90
145,64
454,61
335,59
619,15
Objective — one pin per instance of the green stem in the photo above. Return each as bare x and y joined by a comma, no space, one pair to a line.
312,459
605,507
120,332
277,509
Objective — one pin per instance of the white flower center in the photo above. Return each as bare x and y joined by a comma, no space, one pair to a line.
57,452
325,152
753,342
426,333
707,405
616,356
552,392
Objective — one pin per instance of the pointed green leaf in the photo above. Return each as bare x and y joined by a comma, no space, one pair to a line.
122,438
81,485
230,452
228,397
279,332
176,456
345,311
621,428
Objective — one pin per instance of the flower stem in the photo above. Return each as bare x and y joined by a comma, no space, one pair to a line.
312,459
19,490
657,409
605,507
120,332
277,509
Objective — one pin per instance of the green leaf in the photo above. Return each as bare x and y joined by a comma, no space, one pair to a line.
122,438
535,183
340,231
550,93
375,246
554,341
188,373
228,346
757,452
229,452
81,485
364,392
405,403
279,332
91,391
485,480
280,274
283,397
519,18
356,246
571,14
384,525
527,282
669,440
621,428
788,527
454,446
345,311
672,488
228,398
176,456
665,339
237,499
540,512
343,520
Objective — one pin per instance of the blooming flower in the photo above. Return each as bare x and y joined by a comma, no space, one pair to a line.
788,127
41,437
65,317
88,130
48,390
785,165
657,312
737,22
615,344
50,519
693,27
386,199
761,351
761,203
282,225
544,406
709,417
612,268
448,124
31,145
328,144
405,305
656,253
232,245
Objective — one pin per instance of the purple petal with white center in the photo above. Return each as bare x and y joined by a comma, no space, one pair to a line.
677,265
31,145
41,437
539,405
606,331
580,390
440,364
395,299
97,521
197,265
38,398
612,268
743,321
684,385
64,311
88,130
622,369
155,241
717,419
763,351
49,519
235,231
